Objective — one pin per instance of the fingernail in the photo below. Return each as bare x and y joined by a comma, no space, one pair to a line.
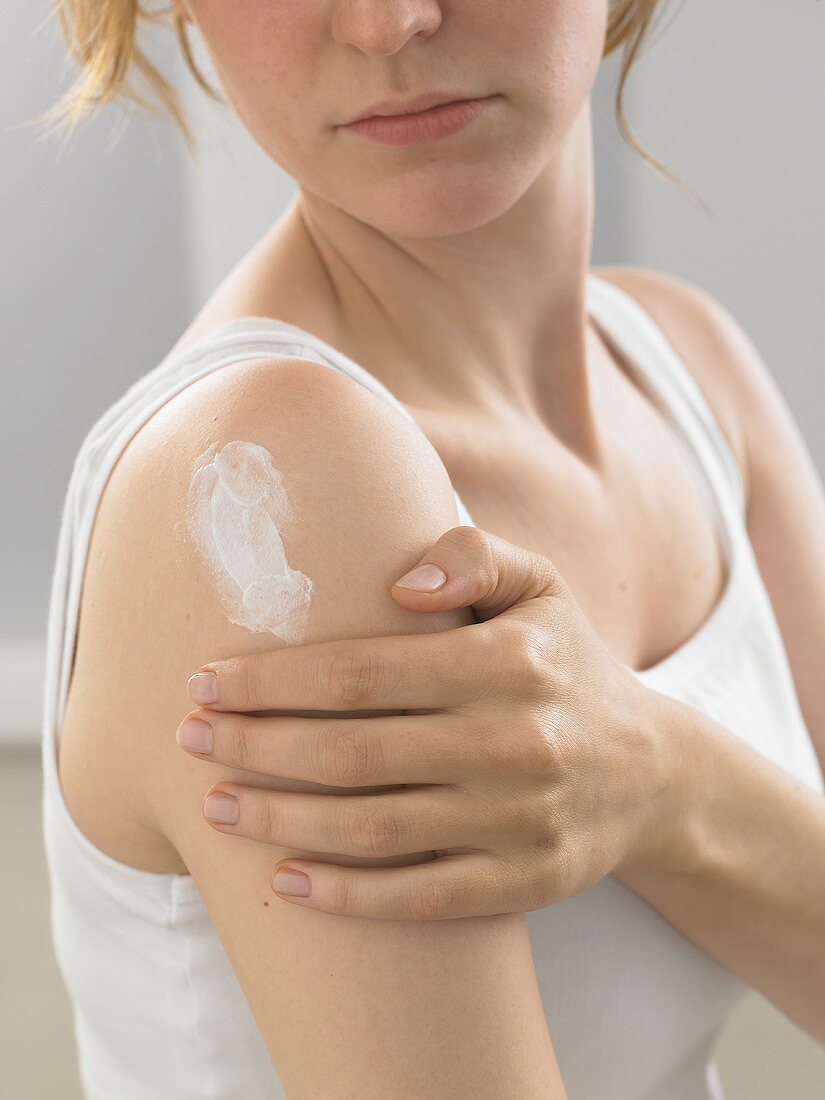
424,578
203,687
287,881
222,808
195,735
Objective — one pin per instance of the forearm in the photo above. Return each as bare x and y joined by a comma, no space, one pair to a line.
745,879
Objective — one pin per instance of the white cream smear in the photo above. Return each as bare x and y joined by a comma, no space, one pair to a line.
237,509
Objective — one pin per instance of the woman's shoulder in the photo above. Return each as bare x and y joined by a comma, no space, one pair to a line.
706,337
350,495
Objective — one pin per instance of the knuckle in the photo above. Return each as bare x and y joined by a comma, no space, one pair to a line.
241,742
544,754
479,544
248,674
376,831
350,676
431,900
465,537
530,651
342,900
561,754
548,575
348,757
521,656
268,824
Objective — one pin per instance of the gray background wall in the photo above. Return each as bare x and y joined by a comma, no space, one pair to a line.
108,250
83,237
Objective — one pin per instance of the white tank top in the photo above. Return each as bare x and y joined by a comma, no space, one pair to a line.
634,1007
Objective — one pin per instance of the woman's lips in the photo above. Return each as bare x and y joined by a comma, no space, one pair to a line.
422,126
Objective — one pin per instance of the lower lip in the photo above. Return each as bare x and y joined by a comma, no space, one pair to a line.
431,125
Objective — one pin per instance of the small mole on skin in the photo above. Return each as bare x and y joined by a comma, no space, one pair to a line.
266,903
623,586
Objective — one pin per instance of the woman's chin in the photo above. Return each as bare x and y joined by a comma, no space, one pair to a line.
442,205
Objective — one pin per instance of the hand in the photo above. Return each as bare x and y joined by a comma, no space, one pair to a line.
535,760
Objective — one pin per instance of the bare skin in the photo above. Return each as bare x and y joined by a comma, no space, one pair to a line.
501,463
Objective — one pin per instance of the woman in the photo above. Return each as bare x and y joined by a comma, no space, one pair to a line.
244,500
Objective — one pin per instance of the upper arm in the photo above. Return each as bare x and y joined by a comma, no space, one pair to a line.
346,1006
784,492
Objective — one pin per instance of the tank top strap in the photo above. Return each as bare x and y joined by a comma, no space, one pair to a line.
663,375
252,337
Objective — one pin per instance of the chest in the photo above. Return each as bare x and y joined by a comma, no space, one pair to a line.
633,534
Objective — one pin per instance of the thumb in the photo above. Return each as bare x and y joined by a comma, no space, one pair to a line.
469,567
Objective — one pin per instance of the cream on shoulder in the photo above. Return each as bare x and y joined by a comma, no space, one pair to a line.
237,511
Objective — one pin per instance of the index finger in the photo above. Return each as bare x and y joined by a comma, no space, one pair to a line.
397,671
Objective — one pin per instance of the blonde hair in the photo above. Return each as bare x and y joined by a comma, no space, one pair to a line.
101,36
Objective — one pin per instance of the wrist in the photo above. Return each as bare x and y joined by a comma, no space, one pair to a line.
668,837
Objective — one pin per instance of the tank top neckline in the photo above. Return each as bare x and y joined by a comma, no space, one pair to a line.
620,317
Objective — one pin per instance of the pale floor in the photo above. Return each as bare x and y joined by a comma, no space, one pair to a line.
762,1056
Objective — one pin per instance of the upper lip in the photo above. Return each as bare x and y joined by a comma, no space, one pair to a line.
410,106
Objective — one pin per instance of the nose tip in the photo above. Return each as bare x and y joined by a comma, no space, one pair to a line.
379,29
